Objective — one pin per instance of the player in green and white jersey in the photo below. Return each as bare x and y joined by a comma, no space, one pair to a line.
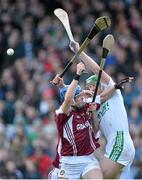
112,116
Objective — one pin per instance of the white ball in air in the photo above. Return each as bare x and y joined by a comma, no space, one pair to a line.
10,51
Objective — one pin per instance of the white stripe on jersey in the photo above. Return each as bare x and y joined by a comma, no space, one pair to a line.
71,138
70,126
59,149
68,134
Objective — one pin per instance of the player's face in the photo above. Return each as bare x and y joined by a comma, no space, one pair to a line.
80,100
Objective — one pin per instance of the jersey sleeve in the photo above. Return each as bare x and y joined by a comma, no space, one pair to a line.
60,116
110,84
59,111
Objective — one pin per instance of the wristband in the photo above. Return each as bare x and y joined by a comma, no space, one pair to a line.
77,77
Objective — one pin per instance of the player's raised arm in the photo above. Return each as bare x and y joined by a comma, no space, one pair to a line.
69,96
90,63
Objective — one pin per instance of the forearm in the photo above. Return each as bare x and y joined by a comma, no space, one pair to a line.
92,66
69,96
95,122
89,63
107,94
71,90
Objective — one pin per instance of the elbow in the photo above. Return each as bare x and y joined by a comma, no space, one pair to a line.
103,99
95,129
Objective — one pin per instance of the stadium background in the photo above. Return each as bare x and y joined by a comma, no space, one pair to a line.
28,133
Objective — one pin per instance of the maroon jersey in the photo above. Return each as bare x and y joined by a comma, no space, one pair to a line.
56,161
75,132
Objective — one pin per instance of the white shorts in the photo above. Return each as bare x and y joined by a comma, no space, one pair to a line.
120,148
53,175
78,169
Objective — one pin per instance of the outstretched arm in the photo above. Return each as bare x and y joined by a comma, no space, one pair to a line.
90,63
71,89
109,92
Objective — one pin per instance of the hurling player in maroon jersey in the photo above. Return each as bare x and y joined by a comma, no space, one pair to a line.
63,88
77,140
85,94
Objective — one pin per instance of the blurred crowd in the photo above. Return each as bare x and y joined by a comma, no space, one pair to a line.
28,134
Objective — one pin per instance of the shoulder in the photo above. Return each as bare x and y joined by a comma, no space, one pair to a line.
59,111
60,116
